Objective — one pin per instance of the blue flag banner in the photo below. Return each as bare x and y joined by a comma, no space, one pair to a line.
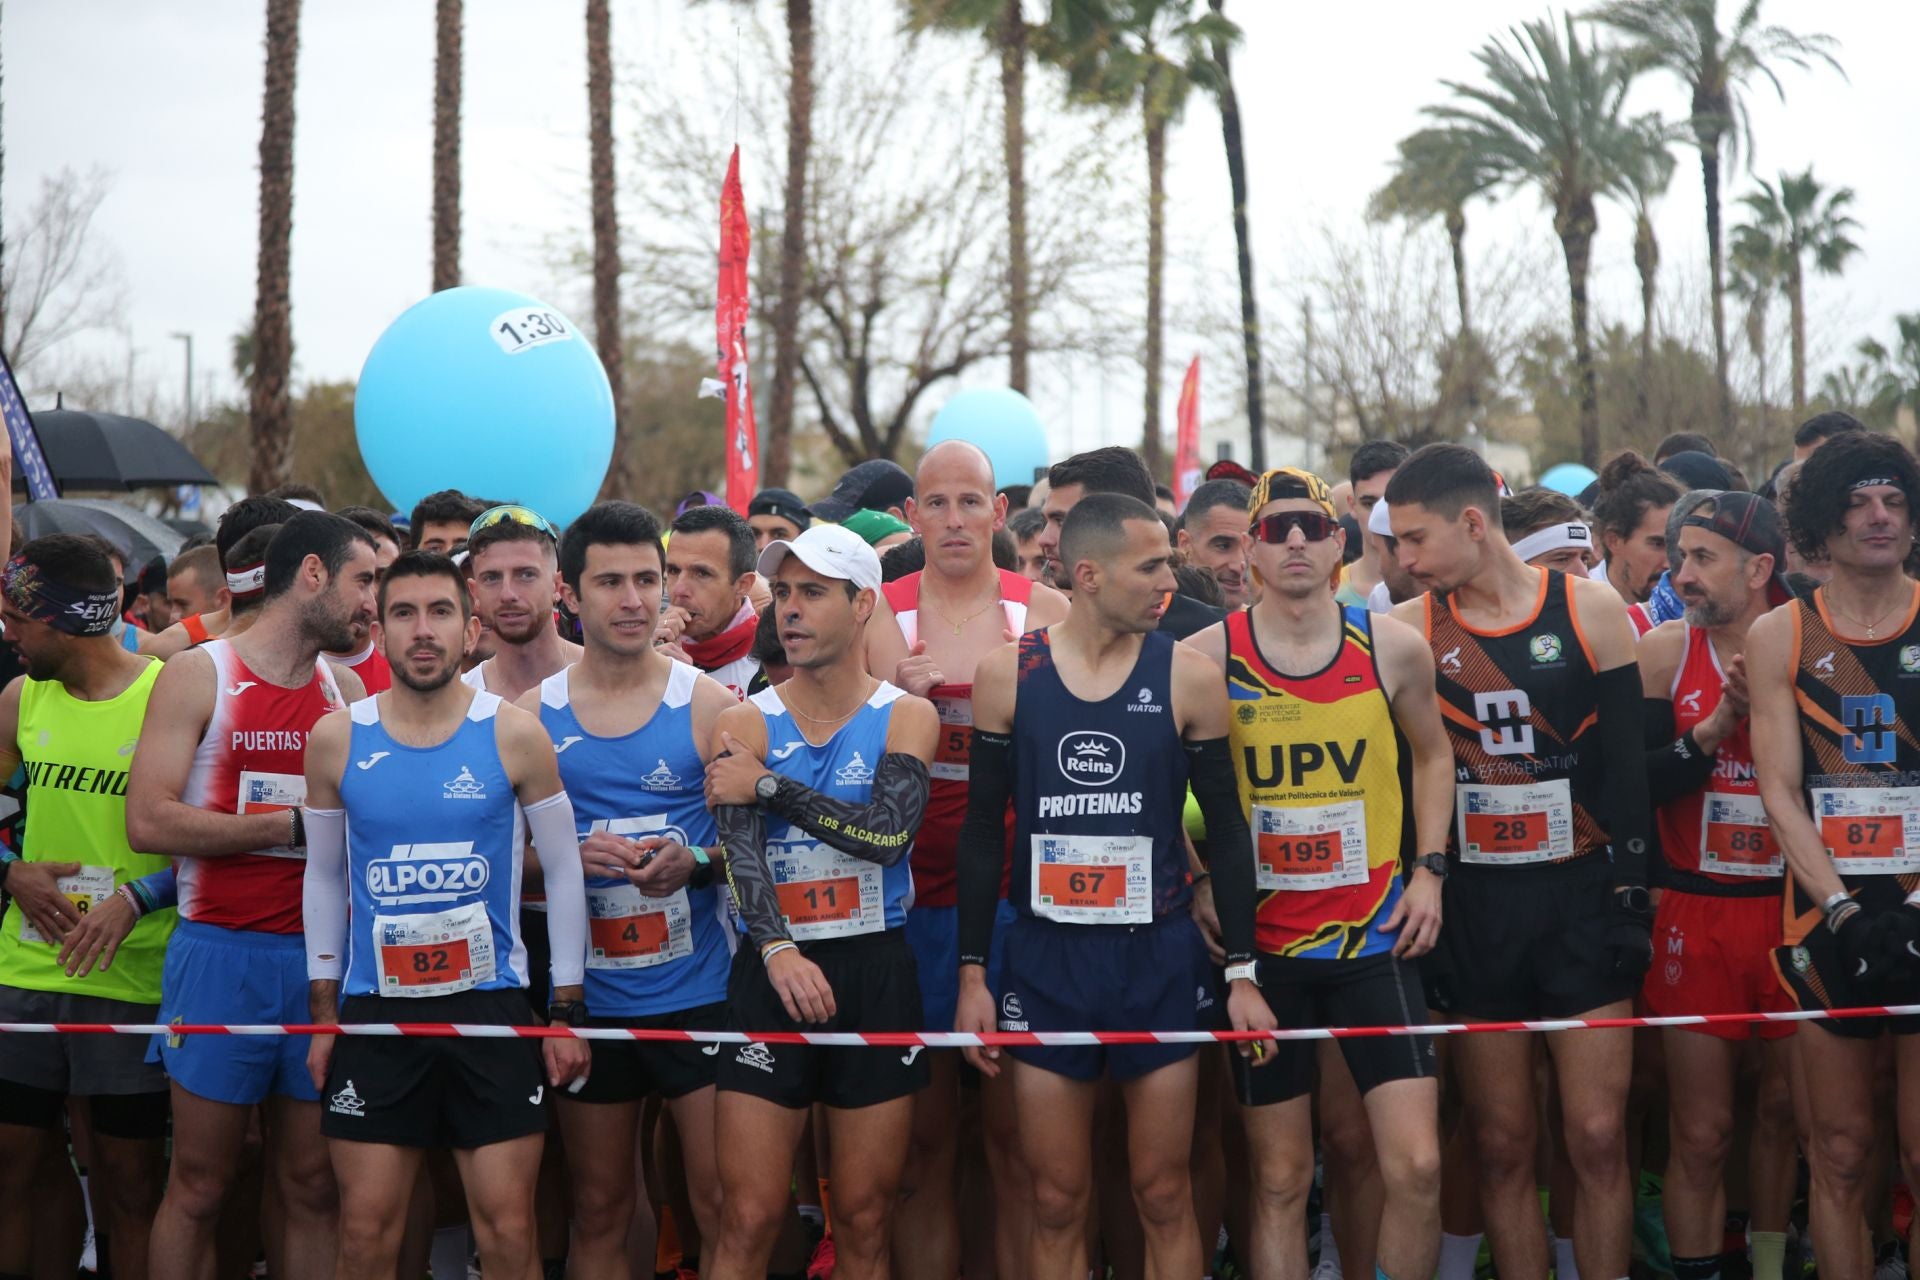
28,461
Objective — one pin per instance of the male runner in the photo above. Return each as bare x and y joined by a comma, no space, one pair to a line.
1093,727
1630,515
197,586
1836,694
386,538
1024,527
70,719
1718,918
1538,687
818,788
709,621
777,515
419,801
1213,536
632,729
1373,465
1322,696
440,520
949,616
217,781
240,519
512,561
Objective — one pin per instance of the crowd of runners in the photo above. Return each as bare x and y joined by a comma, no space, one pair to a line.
929,754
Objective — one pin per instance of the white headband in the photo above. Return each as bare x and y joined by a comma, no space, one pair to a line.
1554,537
1377,520
247,580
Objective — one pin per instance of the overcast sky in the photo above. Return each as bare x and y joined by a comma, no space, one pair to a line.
169,105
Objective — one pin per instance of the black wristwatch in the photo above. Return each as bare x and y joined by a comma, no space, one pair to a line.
766,787
1434,862
571,1012
1635,898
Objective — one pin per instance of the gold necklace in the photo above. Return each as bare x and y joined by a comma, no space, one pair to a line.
1872,634
958,626
836,719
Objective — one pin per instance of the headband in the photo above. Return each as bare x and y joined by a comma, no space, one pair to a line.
1867,482
247,580
74,610
1555,537
1291,482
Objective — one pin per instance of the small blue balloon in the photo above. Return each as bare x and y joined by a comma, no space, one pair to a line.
1002,422
1570,478
490,392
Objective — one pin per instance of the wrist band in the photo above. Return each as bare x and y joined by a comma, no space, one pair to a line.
699,855
126,894
776,948
1833,900
142,896
1841,914
1201,877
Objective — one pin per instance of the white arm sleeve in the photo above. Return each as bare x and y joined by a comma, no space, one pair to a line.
550,825
324,894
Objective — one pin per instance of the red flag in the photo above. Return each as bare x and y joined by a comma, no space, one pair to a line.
1186,448
730,321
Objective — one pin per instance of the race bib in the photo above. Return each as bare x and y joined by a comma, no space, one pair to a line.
1867,830
272,793
433,954
951,755
1735,839
1504,826
1093,879
628,930
86,890
1314,847
825,893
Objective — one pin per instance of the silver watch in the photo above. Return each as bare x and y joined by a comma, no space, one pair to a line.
765,786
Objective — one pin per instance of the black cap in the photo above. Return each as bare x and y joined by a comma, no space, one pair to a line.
873,485
1697,470
1751,523
784,503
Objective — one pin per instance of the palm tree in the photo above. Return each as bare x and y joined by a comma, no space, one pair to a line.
1437,171
270,410
446,144
1895,378
1149,53
1643,182
1230,135
1800,218
606,237
1002,22
1550,116
1754,277
793,243
1686,38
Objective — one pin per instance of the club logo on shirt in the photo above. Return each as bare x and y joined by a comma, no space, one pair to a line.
1507,716
1910,659
1012,1016
661,779
1091,759
428,873
347,1102
464,787
1143,701
1545,648
854,773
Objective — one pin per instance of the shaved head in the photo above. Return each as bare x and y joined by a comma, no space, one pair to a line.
950,456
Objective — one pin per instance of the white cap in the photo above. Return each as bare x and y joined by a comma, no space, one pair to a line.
831,552
1377,520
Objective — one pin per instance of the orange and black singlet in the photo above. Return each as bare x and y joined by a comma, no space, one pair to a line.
1522,711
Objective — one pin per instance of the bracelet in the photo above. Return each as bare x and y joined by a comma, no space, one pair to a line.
1201,877
1833,900
125,894
774,949
1841,914
699,855
297,829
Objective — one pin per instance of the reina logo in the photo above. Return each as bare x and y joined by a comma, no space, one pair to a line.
1143,701
464,787
1091,759
661,779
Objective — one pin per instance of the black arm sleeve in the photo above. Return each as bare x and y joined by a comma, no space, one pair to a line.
1229,843
1622,741
982,850
1676,766
743,830
880,830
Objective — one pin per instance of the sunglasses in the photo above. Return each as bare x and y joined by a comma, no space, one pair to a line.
1279,527
518,515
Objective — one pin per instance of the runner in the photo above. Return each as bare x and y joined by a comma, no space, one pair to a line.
777,515
632,729
440,521
1024,527
418,802
1834,705
240,519
1103,936
1549,530
386,538
70,720
817,841
709,622
217,781
1320,768
1396,584
969,608
1630,513
196,590
1538,687
1213,536
513,566
1373,465
1718,918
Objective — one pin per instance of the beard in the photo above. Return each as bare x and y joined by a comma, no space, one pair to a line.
524,632
1707,612
441,677
330,629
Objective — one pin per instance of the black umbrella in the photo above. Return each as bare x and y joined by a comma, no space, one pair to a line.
138,535
109,451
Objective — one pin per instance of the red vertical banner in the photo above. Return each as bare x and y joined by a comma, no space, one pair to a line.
730,320
1186,448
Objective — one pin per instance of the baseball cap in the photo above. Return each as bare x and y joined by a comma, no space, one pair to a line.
1751,523
831,552
784,503
1291,482
871,526
875,484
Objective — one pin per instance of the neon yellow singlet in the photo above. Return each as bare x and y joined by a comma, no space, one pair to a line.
77,755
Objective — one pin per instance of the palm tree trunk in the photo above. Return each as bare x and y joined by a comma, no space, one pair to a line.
270,408
606,239
1150,449
793,243
1646,260
1710,179
446,145
1457,245
1243,243
1797,313
1013,91
1576,242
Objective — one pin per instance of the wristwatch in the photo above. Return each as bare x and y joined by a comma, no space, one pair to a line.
1434,862
765,787
1634,897
571,1012
1249,970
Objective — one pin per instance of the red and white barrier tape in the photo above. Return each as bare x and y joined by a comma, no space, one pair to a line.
929,1039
